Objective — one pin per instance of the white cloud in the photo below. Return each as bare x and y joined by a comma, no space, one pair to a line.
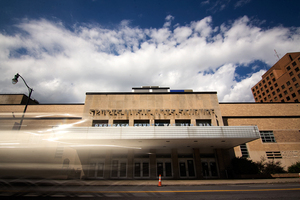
61,65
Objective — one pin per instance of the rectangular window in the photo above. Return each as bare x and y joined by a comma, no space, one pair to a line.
291,73
288,83
203,122
273,155
100,123
121,123
297,85
268,78
244,151
294,79
293,95
138,122
267,136
297,69
278,90
285,92
288,68
294,64
276,85
288,98
290,89
271,88
282,86
272,75
182,122
162,122
276,99
280,95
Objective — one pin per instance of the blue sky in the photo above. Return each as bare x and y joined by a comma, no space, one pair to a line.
65,48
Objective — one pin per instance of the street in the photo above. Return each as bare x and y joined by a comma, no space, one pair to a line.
233,192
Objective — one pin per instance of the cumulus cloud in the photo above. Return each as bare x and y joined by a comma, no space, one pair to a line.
62,64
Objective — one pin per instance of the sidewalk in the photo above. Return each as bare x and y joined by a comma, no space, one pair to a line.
148,182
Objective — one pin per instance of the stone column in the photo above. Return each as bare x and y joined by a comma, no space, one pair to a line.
198,164
175,164
107,164
152,157
223,162
130,157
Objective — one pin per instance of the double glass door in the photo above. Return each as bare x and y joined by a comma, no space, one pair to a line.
119,168
164,168
209,168
96,170
141,168
186,168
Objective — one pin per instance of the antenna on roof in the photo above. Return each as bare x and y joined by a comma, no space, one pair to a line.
276,54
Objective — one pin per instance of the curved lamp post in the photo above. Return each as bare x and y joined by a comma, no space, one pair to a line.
14,81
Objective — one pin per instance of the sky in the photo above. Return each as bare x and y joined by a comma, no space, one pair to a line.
65,48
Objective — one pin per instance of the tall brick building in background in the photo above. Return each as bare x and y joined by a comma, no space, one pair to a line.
281,82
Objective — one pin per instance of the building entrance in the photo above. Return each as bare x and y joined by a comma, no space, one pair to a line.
187,168
164,168
209,168
119,168
141,168
96,169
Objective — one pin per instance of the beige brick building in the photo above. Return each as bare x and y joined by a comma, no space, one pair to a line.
179,134
281,83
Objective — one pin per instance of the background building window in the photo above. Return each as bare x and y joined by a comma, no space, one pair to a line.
273,154
267,136
244,151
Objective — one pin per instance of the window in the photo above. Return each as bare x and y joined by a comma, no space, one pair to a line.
285,92
276,85
272,75
121,123
291,73
298,75
254,94
288,68
265,98
297,69
265,86
296,100
269,82
203,122
268,78
66,163
280,95
273,79
267,91
282,100
278,90
282,87
273,154
288,98
253,90
138,122
260,84
276,99
269,96
297,85
271,88
256,99
298,91
262,89
294,64
293,95
291,89
288,83
100,123
264,81
257,91
182,122
256,87
267,136
161,122
273,93
294,79
263,94
244,151
259,96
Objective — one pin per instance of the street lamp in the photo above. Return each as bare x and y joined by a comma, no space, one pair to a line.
14,81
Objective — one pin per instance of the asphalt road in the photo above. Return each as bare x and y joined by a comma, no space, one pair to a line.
231,192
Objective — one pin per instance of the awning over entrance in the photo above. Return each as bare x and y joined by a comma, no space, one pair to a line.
158,137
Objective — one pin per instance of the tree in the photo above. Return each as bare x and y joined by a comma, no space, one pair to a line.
295,168
244,166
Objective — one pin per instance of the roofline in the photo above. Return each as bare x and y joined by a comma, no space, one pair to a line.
146,93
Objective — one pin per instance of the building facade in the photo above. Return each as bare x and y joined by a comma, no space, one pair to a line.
281,83
151,131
